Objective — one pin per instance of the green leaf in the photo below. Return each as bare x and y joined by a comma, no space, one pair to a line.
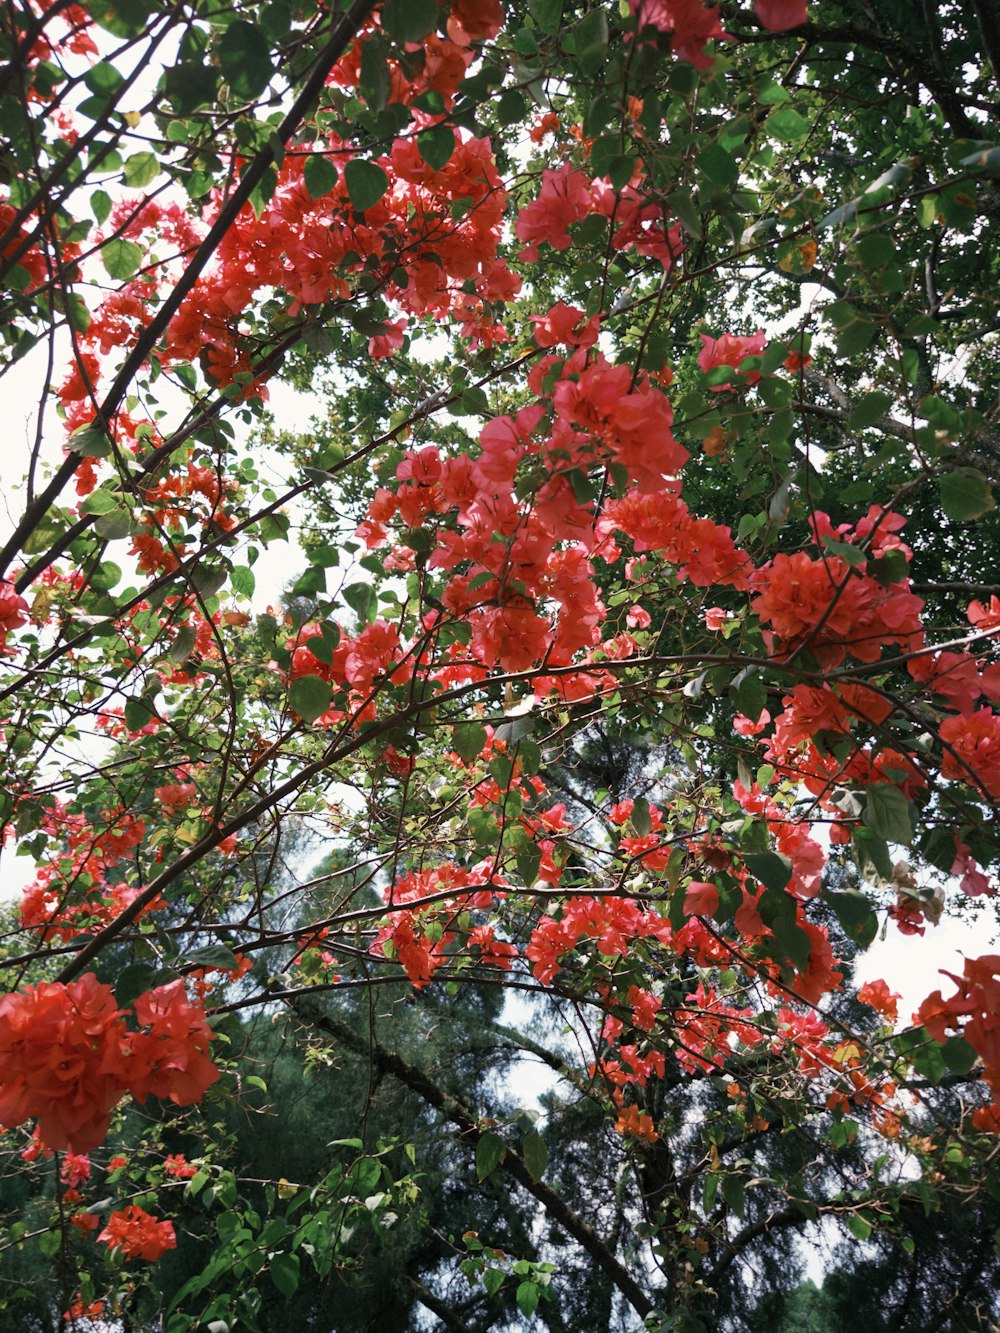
100,206
535,1154
473,402
183,645
141,169
490,1152
928,1059
49,1243
710,1190
361,598
734,1192
684,204
243,581
138,714
858,1227
468,738
527,1298
958,1055
719,168
190,85
788,124
124,18
101,502
134,981
547,14
869,409
965,496
121,259
771,868
857,917
409,20
749,695
320,175
493,1280
641,818
887,813
213,955
871,855
245,57
436,146
309,697
375,83
366,183
777,910
284,1272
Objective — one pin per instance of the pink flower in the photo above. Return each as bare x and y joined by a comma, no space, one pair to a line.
730,350
701,899
387,342
780,15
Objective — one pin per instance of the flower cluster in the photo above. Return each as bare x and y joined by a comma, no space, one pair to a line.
136,1234
67,1058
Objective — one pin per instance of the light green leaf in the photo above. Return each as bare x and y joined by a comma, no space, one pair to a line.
320,175
535,1153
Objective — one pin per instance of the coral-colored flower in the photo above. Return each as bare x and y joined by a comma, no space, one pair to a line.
731,350
701,899
474,20
636,1123
178,1166
691,23
780,15
973,753
878,995
136,1234
75,1169
171,1059
13,610
67,1059
60,1061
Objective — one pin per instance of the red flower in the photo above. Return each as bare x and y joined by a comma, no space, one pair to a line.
731,350
974,749
138,1235
701,899
878,995
13,610
171,1060
178,1166
474,20
60,1055
780,15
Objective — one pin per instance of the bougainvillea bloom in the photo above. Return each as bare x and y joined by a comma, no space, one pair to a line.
62,1061
13,610
67,1059
136,1234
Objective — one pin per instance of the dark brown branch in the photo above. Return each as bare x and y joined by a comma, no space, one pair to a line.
343,32
513,1164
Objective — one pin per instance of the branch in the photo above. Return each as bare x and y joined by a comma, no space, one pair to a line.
447,1316
343,33
452,1109
773,1221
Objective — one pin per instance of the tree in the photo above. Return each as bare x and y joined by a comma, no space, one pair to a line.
641,663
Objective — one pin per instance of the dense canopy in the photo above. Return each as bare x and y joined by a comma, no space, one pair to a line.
609,663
